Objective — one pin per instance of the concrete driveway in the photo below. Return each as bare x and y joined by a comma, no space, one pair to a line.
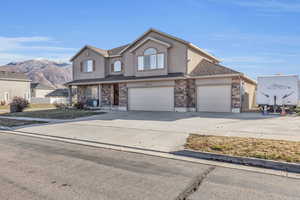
167,131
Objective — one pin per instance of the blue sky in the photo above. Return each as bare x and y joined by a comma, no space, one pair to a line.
255,37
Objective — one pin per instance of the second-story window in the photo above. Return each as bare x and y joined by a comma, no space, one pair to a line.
88,66
151,60
117,67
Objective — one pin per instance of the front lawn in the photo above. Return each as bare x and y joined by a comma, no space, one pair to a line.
54,114
14,122
279,150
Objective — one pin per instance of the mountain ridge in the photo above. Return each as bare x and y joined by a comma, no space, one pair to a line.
50,73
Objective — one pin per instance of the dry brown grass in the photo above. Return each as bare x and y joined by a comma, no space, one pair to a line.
54,114
279,150
13,122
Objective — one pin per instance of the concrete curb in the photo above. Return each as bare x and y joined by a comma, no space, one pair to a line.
168,155
255,162
5,128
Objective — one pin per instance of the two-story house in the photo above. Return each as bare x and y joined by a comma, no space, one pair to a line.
159,72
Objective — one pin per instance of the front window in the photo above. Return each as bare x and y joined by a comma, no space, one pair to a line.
88,66
151,60
117,66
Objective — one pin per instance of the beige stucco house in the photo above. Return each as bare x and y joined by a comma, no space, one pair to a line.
159,72
13,84
39,90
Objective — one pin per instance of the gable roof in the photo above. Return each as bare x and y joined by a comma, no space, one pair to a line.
207,68
13,76
40,86
61,92
99,51
119,50
172,37
153,39
116,51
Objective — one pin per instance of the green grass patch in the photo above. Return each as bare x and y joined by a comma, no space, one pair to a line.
279,150
54,114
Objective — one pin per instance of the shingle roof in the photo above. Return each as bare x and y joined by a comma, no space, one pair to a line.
61,92
40,86
123,78
117,50
207,68
13,75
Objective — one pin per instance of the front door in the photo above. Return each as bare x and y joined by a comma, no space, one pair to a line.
116,94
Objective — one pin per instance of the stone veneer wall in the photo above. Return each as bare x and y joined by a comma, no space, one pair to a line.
185,94
191,99
106,94
123,95
180,93
236,94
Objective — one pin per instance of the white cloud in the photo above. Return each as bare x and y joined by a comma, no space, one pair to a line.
253,60
23,48
26,43
274,6
271,5
237,38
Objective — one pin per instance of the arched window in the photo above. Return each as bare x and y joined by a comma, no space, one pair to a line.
117,66
151,60
150,51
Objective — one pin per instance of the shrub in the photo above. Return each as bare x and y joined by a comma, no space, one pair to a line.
2,103
18,104
79,105
297,110
60,105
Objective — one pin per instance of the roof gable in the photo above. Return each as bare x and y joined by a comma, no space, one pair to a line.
171,37
150,39
101,52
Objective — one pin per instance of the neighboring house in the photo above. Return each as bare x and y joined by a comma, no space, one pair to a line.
13,84
60,95
159,72
39,90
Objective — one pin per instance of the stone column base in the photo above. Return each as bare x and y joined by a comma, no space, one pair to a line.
236,110
184,109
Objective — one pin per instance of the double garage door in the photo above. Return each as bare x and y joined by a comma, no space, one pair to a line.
209,98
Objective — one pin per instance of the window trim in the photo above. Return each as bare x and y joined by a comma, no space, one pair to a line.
113,67
84,66
150,68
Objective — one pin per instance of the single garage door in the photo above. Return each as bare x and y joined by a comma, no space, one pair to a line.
151,99
214,98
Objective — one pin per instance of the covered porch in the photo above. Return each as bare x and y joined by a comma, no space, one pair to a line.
104,96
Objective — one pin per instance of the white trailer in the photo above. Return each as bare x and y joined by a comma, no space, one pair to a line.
278,90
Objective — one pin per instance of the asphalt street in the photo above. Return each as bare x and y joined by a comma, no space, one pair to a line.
32,168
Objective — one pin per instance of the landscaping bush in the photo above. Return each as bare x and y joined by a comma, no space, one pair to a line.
79,105
18,104
60,105
297,110
2,103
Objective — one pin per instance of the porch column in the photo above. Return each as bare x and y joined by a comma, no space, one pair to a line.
99,95
70,94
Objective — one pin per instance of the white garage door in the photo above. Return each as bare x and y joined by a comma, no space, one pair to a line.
214,98
151,99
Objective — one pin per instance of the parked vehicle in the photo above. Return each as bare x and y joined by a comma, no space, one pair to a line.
278,91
